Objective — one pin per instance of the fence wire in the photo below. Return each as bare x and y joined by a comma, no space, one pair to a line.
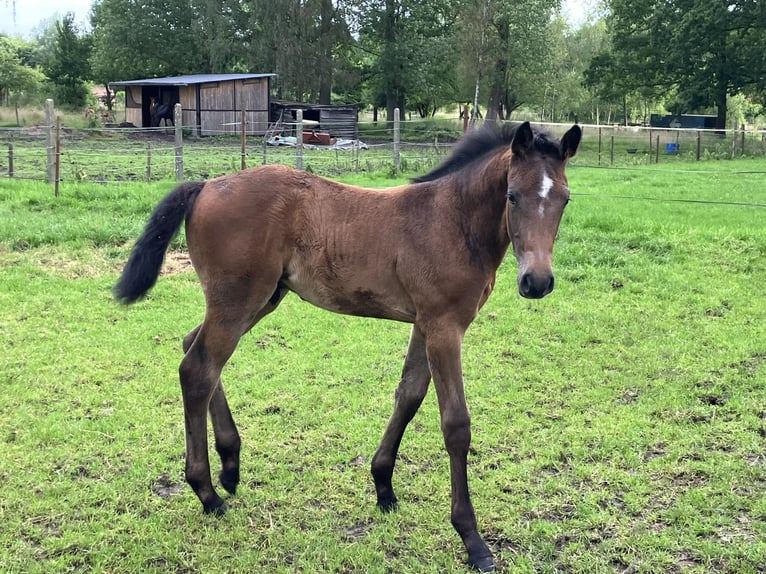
108,155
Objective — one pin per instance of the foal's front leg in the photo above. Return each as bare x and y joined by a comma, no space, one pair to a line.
443,348
409,395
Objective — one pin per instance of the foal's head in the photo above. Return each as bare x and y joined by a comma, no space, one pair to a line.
537,194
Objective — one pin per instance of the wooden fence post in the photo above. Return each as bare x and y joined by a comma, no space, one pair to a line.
299,139
178,119
10,160
611,151
49,137
397,158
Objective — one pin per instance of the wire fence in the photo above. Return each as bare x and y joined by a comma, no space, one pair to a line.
61,154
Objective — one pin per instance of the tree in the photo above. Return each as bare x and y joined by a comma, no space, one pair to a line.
19,83
411,51
573,49
304,41
135,39
67,65
506,45
704,50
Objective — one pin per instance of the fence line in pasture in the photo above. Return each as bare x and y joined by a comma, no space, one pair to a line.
668,199
56,153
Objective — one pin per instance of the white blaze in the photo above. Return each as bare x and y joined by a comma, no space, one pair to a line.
545,189
545,186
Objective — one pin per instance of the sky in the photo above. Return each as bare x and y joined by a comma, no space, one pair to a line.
30,14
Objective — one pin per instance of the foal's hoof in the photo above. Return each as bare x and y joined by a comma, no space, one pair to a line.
482,564
216,508
388,505
229,480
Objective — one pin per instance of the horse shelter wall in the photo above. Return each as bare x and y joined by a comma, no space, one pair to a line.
187,96
221,105
133,106
254,98
213,108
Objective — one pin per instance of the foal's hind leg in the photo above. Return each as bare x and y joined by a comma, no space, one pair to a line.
409,395
227,441
208,347
199,372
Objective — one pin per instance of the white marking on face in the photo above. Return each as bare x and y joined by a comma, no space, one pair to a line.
545,189
545,186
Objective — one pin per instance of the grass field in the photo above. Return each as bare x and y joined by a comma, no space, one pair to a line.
619,424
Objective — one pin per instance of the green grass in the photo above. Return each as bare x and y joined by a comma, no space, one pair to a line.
618,424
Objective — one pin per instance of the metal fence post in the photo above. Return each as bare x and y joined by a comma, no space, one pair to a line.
699,145
397,158
178,119
148,161
599,145
243,140
742,153
57,156
49,139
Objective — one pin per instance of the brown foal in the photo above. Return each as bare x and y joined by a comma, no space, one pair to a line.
425,253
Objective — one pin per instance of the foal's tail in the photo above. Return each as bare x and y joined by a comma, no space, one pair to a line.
143,266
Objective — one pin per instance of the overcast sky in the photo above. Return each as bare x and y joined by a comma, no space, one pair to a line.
30,14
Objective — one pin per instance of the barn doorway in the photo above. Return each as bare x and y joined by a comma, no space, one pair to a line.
161,94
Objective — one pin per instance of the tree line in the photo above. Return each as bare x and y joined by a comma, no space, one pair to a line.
628,59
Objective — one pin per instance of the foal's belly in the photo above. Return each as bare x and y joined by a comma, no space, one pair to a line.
349,296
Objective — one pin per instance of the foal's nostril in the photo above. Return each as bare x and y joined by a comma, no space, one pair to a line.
533,287
525,284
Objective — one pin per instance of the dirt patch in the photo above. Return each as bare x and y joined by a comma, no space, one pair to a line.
356,531
176,262
165,488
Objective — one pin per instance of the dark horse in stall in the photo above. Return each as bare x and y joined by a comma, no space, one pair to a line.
159,112
425,253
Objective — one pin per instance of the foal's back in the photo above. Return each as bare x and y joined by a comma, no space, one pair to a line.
343,248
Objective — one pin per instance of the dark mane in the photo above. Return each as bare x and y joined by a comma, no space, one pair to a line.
480,142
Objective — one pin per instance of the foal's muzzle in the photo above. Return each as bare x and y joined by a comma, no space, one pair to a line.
535,285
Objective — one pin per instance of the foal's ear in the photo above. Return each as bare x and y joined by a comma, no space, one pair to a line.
522,140
570,142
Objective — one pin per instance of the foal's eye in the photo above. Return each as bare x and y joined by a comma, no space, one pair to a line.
511,198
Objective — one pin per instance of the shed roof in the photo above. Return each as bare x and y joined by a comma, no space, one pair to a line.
188,80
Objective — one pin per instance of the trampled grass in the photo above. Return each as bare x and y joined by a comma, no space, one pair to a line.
619,423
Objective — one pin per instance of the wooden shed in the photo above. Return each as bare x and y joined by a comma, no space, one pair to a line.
211,104
340,121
